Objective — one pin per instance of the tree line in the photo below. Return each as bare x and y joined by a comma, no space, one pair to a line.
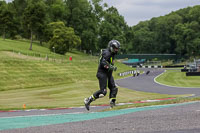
175,33
90,24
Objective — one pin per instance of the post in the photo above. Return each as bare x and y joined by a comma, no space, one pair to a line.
54,53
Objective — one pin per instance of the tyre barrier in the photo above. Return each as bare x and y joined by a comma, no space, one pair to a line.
192,73
174,66
184,70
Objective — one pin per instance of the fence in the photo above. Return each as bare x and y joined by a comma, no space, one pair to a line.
39,57
147,56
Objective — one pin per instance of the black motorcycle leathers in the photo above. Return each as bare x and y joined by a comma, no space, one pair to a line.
104,75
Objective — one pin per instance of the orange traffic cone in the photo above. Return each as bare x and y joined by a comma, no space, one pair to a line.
24,106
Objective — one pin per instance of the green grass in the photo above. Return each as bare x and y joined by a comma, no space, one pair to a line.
178,79
48,84
22,47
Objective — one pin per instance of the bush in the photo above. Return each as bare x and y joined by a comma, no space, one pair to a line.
18,37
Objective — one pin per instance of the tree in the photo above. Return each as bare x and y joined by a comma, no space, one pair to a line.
32,17
83,19
18,7
56,10
63,38
196,45
6,18
113,26
193,14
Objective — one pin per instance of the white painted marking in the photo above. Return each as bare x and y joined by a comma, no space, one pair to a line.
124,103
152,100
42,109
78,107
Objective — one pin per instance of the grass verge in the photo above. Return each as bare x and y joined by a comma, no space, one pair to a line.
178,79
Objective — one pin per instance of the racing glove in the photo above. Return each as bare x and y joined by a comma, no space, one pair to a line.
112,68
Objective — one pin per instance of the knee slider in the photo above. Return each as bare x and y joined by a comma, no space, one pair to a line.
103,93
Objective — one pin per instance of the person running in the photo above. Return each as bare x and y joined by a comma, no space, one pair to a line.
104,75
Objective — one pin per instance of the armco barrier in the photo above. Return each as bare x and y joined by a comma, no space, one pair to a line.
150,66
126,73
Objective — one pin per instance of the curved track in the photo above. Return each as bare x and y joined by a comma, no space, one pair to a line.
146,83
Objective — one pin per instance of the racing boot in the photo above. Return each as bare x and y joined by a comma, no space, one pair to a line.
87,102
112,103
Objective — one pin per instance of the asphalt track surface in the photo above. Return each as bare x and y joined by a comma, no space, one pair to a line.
173,118
184,118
